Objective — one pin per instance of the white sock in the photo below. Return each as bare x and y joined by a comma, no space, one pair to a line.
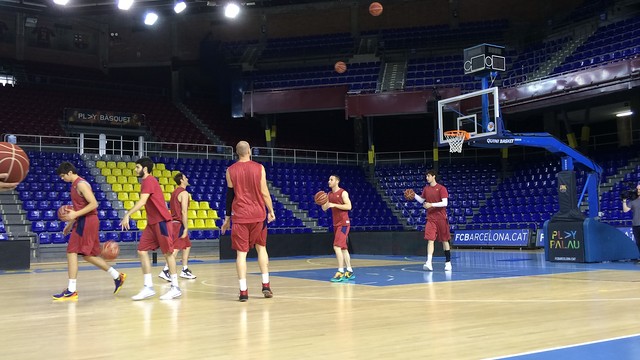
341,270
72,285
184,267
113,272
243,284
174,280
148,280
265,278
349,269
429,257
166,267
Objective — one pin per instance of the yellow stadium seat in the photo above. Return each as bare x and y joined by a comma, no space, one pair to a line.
122,179
121,165
127,188
213,214
133,180
142,224
137,215
134,196
127,172
167,197
204,205
194,205
159,166
192,214
128,204
111,179
111,164
101,164
210,224
105,172
202,214
156,173
167,174
137,187
116,187
190,223
174,173
116,172
162,188
131,165
122,196
198,224
163,180
169,188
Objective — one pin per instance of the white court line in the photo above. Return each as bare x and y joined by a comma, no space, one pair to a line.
563,347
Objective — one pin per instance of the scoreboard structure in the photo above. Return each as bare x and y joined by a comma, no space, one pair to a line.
483,59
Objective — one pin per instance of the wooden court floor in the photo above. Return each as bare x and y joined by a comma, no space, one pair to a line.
494,304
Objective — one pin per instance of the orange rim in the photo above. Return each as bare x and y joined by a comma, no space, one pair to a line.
457,133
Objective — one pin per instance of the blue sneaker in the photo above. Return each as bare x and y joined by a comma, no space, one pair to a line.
66,295
119,282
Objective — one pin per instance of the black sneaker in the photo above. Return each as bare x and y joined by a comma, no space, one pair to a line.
186,274
266,291
244,295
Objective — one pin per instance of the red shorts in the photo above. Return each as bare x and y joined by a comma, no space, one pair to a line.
340,234
84,238
437,230
157,236
178,242
246,236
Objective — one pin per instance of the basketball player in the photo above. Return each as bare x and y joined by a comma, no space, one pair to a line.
247,195
634,205
157,234
4,186
434,198
340,204
83,225
178,205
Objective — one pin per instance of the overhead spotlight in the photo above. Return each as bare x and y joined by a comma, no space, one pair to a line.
624,113
231,10
150,18
61,2
125,4
179,6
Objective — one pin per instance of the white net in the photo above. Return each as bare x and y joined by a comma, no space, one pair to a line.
455,140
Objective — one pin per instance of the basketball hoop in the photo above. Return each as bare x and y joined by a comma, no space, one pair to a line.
456,138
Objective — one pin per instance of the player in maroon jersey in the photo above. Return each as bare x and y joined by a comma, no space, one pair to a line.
340,204
83,225
157,234
247,196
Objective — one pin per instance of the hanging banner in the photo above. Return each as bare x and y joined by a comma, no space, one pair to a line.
103,118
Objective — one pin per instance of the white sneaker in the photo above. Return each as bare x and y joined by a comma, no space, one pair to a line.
173,293
164,274
187,274
447,266
145,293
427,266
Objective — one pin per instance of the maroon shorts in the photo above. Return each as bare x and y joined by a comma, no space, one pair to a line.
157,236
340,234
246,236
178,242
84,238
437,230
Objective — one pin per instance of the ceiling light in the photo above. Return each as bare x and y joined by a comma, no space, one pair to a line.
624,113
61,2
231,10
150,18
125,4
179,6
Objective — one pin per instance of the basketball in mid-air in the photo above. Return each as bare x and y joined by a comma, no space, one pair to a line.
340,67
375,9
110,250
14,162
321,198
63,210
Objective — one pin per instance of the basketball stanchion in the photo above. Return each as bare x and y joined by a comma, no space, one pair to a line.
456,138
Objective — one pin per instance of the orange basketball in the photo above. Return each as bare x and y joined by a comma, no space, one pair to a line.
62,210
110,250
340,67
375,9
321,198
14,162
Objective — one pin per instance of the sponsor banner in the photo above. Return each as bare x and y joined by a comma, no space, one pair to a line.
566,241
103,118
540,235
508,237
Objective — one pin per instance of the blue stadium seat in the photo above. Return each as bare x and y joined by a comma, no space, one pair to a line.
38,226
112,236
43,238
57,238
54,226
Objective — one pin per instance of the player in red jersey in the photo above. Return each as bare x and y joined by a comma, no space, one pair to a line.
157,234
83,225
247,196
340,204
435,199
178,206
